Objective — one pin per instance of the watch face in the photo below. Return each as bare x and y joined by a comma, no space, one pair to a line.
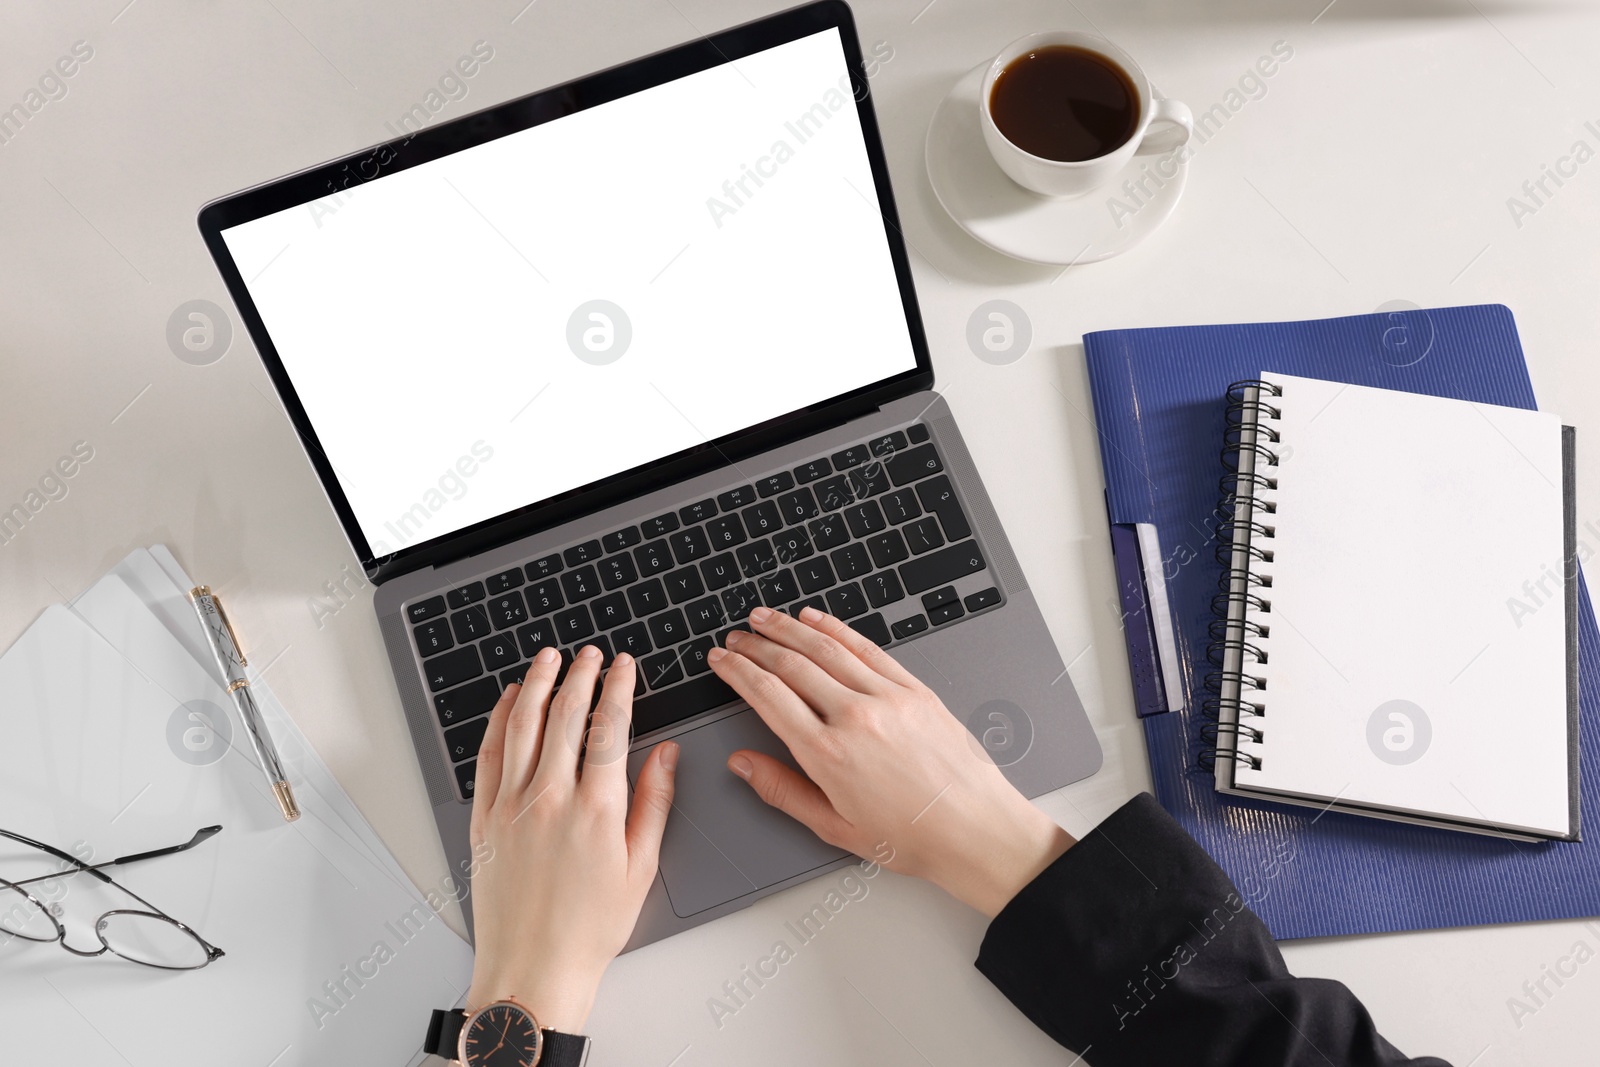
501,1035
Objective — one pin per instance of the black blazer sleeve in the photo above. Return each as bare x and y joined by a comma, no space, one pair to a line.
1134,948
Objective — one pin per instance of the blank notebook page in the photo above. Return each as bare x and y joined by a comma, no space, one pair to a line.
1408,529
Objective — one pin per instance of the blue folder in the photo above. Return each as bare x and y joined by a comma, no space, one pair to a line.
1159,401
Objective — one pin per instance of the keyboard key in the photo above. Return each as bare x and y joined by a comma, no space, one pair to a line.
762,519
774,484
722,635
937,568
515,675
693,656
792,545
434,637
797,506
659,526
834,493
704,615
617,540
949,613
920,462
939,598
574,624
725,532
634,640
507,610
544,597
462,742
869,479
923,535
757,558
467,594
618,571
938,497
471,624
611,611
888,548
668,628
690,545
983,598
654,558
424,610
888,444
810,472
587,552
467,702
917,433
536,635
864,519
846,602
680,702
740,600
909,627
900,507
647,597
697,512
606,655
543,568
581,584
498,652
828,532
851,561
734,499
814,574
851,457
778,589
873,628
452,668
810,602
720,571
684,585
503,581
661,669
883,588
465,777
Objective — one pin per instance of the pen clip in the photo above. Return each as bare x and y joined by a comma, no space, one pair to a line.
222,616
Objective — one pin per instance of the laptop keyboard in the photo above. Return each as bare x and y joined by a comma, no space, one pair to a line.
868,533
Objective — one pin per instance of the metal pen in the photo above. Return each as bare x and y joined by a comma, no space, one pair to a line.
232,663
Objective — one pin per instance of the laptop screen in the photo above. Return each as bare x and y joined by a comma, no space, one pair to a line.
543,311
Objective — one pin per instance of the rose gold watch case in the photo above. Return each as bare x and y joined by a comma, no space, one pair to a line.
466,1028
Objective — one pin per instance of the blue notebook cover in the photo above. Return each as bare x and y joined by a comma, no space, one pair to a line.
1159,402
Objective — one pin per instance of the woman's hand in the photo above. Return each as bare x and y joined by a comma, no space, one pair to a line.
889,772
559,888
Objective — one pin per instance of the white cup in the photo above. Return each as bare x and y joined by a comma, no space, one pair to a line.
1054,177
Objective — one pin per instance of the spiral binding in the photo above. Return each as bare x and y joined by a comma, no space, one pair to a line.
1234,710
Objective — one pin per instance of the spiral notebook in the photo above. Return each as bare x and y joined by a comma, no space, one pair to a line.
1395,635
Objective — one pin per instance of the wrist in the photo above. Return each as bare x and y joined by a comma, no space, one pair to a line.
561,1005
1032,843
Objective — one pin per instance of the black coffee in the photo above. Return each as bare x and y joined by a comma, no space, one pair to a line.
1064,103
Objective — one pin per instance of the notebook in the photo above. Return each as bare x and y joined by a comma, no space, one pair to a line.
1393,600
1158,397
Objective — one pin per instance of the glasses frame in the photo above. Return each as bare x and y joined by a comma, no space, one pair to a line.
75,866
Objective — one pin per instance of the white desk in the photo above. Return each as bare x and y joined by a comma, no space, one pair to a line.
1376,167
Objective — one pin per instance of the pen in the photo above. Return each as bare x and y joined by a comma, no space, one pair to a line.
232,663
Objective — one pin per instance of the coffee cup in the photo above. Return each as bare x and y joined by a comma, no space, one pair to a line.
1072,110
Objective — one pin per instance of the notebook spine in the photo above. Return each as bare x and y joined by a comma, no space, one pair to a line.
1233,730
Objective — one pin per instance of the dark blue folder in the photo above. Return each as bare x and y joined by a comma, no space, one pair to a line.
1159,401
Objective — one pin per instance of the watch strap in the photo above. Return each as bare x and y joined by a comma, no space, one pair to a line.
559,1050
444,1032
563,1050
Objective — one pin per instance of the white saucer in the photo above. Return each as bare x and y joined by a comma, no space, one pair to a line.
1024,225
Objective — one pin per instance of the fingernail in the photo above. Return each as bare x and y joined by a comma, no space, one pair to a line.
669,755
741,766
717,653
622,660
760,614
589,652
547,655
810,614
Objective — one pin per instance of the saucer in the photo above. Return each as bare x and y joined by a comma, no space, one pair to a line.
998,212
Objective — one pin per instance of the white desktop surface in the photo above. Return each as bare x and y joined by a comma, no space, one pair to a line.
1376,167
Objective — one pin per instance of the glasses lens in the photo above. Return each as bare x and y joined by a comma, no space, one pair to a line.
150,939
21,917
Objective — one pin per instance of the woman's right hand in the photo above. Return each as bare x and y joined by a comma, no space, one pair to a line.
890,774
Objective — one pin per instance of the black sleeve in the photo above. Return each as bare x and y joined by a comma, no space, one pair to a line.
1134,948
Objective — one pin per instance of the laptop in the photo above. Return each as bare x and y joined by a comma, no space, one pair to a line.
616,362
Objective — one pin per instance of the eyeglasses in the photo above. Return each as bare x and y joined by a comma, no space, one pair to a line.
150,936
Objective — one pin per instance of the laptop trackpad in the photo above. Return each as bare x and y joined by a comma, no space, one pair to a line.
721,841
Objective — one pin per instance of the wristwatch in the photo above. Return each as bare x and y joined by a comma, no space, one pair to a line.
502,1034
